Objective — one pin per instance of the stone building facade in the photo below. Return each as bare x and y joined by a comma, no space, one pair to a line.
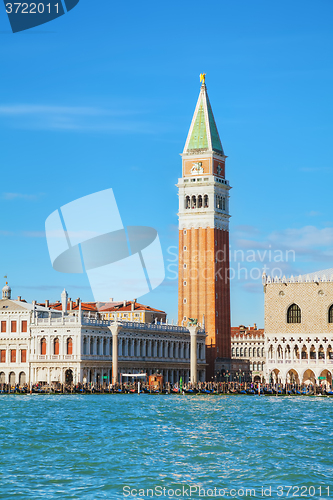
299,328
248,343
39,344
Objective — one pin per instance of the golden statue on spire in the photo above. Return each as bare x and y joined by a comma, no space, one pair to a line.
203,78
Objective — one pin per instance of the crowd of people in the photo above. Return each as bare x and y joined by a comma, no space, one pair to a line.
177,388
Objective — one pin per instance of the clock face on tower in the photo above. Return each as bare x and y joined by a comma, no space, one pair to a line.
197,168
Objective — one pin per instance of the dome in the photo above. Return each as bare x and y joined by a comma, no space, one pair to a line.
6,291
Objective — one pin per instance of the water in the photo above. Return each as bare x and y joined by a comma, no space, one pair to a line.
109,446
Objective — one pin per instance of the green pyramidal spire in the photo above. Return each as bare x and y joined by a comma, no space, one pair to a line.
203,135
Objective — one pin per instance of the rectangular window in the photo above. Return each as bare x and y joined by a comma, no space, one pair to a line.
24,326
3,326
13,327
13,356
3,356
23,356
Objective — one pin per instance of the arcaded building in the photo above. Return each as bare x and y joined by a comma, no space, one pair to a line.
73,343
299,328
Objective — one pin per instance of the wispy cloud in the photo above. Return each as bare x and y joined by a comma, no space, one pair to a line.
24,234
307,244
313,213
315,169
75,118
20,196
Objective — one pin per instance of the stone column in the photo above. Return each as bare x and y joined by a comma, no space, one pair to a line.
115,329
193,359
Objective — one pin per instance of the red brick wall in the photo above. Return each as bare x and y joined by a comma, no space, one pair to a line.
206,295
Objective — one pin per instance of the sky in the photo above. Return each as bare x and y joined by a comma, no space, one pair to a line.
103,97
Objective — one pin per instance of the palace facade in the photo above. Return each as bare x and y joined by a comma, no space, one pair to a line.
299,328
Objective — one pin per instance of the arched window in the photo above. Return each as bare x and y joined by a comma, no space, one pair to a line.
43,347
294,314
85,345
194,202
187,202
237,351
330,314
233,352
206,204
56,347
241,352
69,346
245,352
199,201
258,352
223,203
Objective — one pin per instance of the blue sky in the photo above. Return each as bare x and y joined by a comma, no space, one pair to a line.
103,97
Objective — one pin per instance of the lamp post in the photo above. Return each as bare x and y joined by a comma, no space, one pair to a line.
240,374
227,375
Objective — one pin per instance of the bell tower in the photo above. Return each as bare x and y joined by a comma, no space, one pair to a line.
204,284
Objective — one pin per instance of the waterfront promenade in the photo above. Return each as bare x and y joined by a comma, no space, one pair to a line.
201,388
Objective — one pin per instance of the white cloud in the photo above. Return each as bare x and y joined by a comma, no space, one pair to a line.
289,248
313,213
20,196
303,238
75,118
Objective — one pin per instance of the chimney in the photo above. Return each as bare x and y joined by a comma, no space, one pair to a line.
124,303
111,299
77,302
34,302
255,326
47,303
19,298
70,305
133,305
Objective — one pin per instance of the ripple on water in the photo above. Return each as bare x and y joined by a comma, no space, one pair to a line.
89,447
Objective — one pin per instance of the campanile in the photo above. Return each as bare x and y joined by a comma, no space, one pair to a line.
204,285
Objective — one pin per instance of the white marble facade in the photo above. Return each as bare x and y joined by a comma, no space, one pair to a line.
77,347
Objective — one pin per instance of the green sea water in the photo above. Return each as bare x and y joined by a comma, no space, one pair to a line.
165,446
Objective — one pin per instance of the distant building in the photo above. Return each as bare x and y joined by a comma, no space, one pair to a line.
248,343
132,311
299,328
115,311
